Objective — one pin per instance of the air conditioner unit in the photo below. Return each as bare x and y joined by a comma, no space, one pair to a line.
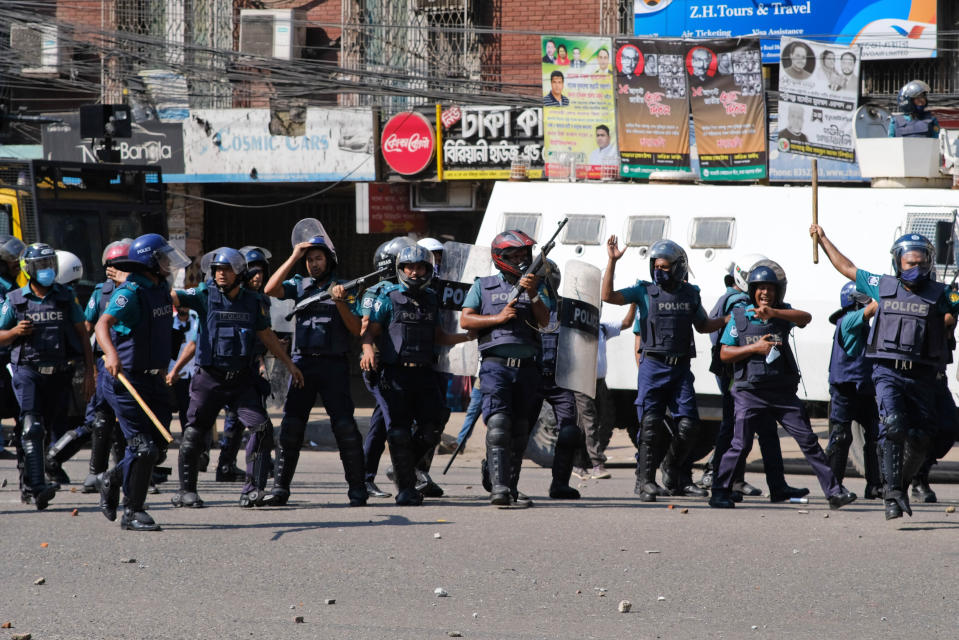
37,46
443,196
276,33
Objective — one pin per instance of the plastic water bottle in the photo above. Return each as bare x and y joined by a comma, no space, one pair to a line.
799,501
772,355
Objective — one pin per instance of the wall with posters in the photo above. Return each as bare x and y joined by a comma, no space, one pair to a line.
884,28
238,145
480,143
818,93
578,112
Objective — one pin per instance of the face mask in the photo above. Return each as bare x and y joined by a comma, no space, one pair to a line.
661,277
45,277
913,276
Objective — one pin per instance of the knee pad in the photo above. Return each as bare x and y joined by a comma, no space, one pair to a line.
192,441
32,428
918,439
840,433
498,430
399,438
569,436
291,433
429,434
687,428
652,428
101,422
346,431
144,447
895,427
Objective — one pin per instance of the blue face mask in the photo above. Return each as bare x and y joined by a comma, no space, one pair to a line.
661,277
913,276
45,277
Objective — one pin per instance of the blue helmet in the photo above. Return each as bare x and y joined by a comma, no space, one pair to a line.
39,262
913,242
319,242
909,93
414,254
767,274
850,298
151,252
223,257
256,255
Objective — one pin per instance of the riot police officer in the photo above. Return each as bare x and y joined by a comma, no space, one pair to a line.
44,324
851,394
406,315
134,333
765,380
321,342
231,318
10,250
913,121
100,422
258,270
907,345
669,308
509,345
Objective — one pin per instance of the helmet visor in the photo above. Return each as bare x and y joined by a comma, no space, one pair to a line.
169,259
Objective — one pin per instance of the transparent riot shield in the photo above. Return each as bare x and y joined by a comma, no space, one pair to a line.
578,328
462,264
308,228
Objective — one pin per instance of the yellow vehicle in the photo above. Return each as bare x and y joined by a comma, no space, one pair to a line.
80,207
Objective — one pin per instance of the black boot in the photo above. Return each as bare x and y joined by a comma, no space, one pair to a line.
921,489
61,451
837,450
287,458
498,466
870,459
108,484
646,486
914,462
895,499
226,469
135,517
350,444
190,451
32,475
101,431
721,499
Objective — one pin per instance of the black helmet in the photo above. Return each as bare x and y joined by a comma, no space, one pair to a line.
553,275
386,254
675,255
909,93
415,254
913,242
767,274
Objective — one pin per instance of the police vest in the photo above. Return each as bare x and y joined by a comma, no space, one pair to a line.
844,367
908,326
148,344
106,289
669,321
412,329
550,343
912,127
754,372
734,297
494,292
319,331
230,331
5,290
54,338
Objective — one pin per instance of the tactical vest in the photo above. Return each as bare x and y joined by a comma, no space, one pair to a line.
230,331
550,343
912,127
844,367
908,326
412,327
54,339
5,289
754,372
106,289
147,346
668,328
716,365
319,331
520,330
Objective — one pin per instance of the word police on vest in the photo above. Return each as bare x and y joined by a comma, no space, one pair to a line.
917,308
159,312
45,316
675,306
234,316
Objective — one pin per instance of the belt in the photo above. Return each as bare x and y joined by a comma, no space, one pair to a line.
513,363
149,372
668,359
47,369
224,375
414,365
907,366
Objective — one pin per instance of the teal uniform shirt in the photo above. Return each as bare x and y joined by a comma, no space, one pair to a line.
91,313
474,300
731,335
853,332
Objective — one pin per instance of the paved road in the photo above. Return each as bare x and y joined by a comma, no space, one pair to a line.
558,570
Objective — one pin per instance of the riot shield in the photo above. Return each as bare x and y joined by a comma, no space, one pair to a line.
578,328
462,264
309,228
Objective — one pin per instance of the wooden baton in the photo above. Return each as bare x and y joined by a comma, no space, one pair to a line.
143,405
815,209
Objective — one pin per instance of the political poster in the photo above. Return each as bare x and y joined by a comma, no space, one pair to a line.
884,29
728,105
818,93
578,110
652,106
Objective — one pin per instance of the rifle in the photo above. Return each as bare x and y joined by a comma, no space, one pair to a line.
322,296
538,263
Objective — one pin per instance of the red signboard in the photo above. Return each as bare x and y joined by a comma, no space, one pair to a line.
408,143
390,210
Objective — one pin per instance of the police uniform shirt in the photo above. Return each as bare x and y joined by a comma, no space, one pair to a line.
126,307
731,335
474,300
6,286
8,315
197,297
868,283
91,313
607,330
853,332
192,329
637,294
933,125
369,297
291,287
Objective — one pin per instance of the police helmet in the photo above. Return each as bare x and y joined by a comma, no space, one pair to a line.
907,95
414,254
69,267
386,254
39,262
672,253
116,251
767,274
223,258
506,241
256,255
10,250
553,275
319,242
151,252
431,243
849,298
741,269
913,242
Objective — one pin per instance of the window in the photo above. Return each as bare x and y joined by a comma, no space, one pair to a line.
583,230
715,233
528,223
642,231
6,219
